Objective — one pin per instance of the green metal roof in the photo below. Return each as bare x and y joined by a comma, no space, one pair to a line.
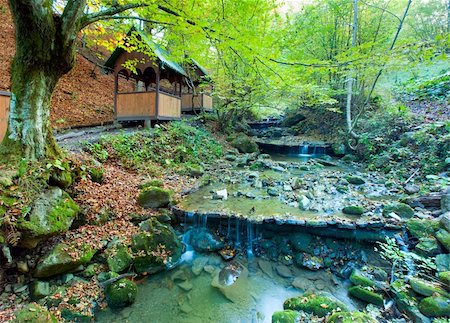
201,68
161,54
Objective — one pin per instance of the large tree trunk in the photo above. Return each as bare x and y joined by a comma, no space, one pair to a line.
45,51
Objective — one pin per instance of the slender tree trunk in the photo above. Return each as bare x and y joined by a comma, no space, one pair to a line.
348,109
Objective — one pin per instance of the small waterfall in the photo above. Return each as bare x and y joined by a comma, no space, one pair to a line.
237,243
204,218
303,150
250,237
314,150
188,254
228,228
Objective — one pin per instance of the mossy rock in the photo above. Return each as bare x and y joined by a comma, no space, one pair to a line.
119,258
366,294
314,304
428,247
443,236
353,210
155,197
442,262
53,212
97,174
155,250
195,170
425,288
435,306
61,260
92,270
419,228
444,277
351,317
244,144
39,289
401,209
121,293
359,279
406,302
355,180
61,178
286,316
34,313
152,183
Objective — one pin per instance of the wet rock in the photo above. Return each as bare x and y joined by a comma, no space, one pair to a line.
61,178
198,264
442,262
232,282
359,278
63,258
179,275
419,228
312,262
203,241
351,317
272,191
401,209
302,283
39,289
286,316
154,197
230,157
53,212
445,221
121,293
244,144
221,195
186,286
34,313
300,241
353,210
366,294
319,305
428,247
406,302
355,180
209,269
425,288
444,277
411,189
435,306
266,267
284,271
227,253
303,202
445,201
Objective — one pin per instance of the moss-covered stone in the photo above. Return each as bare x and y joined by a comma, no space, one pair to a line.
34,313
355,180
444,277
406,302
63,258
53,212
156,249
119,258
315,304
425,288
61,178
92,270
428,247
39,289
443,236
366,294
353,210
442,262
121,293
195,170
401,209
419,228
155,197
97,174
350,317
286,316
435,306
360,279
244,144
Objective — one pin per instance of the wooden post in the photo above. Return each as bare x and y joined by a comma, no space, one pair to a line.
157,95
116,89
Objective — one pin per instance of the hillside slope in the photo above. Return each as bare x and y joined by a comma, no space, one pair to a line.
82,97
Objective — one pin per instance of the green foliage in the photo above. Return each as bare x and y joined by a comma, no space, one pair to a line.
434,88
177,146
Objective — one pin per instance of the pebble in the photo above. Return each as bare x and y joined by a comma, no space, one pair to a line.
186,286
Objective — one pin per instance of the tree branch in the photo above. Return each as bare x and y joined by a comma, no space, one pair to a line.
140,19
70,18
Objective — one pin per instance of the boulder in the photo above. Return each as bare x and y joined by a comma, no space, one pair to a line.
303,202
401,209
428,247
155,250
39,289
319,305
221,195
286,316
232,281
442,262
443,236
119,258
359,278
351,317
61,178
445,221
204,241
435,306
154,197
34,313
411,189
53,212
266,267
424,287
195,170
244,144
63,258
445,201
419,228
353,210
444,277
284,271
121,293
366,294
406,301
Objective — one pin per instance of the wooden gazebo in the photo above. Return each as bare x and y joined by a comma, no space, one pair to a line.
194,98
155,93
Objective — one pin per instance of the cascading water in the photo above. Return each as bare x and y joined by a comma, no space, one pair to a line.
303,150
228,228
401,240
188,254
250,235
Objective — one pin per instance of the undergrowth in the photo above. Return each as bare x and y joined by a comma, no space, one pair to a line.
177,146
